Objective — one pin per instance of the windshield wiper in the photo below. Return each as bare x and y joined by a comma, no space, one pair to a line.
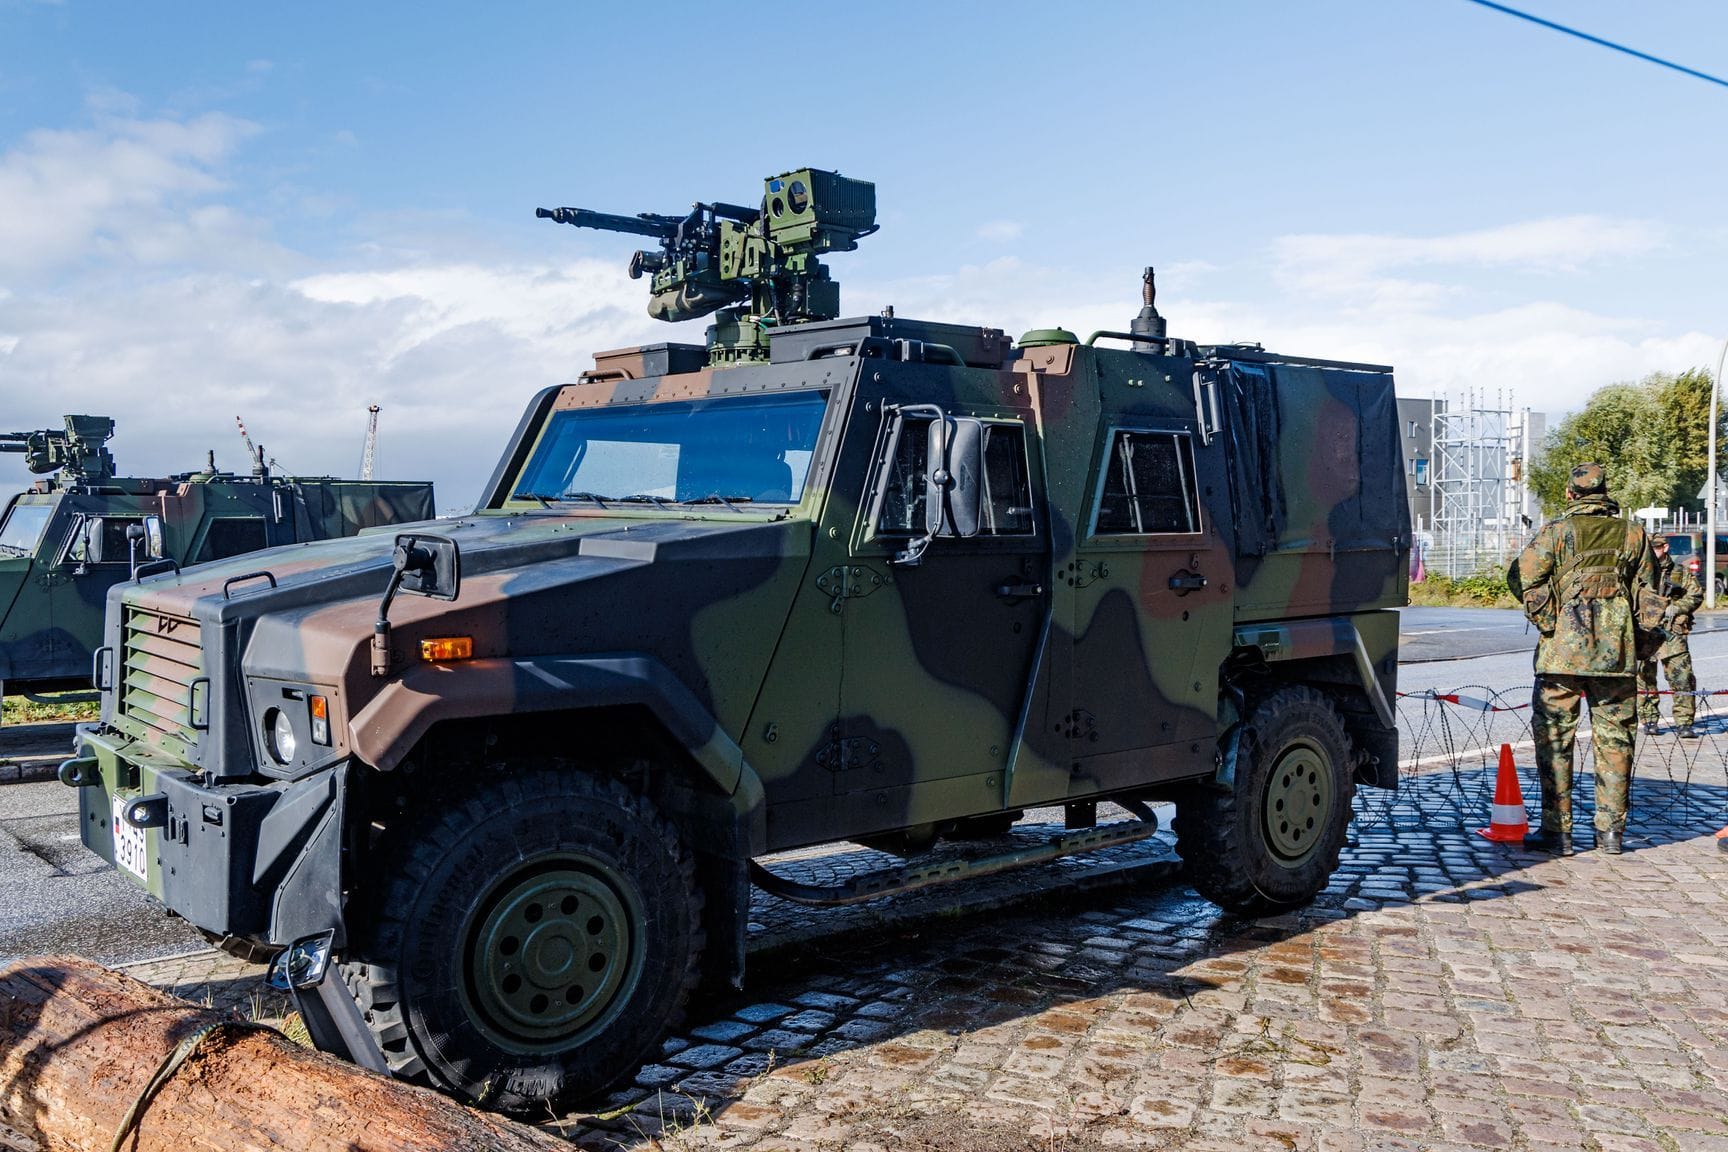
645,498
546,500
716,498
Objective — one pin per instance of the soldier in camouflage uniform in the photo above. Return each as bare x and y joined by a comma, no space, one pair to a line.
1579,577
1684,594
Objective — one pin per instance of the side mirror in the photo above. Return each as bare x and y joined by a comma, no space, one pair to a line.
134,537
425,566
428,566
963,505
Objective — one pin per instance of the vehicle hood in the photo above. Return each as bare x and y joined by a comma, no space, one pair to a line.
706,597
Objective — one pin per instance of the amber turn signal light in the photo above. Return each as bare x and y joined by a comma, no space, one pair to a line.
320,709
446,648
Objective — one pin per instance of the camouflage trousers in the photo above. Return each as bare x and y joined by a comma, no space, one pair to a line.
1677,667
1554,724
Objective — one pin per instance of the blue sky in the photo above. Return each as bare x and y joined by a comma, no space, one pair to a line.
288,212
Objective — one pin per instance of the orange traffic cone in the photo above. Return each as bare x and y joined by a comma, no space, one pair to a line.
1506,822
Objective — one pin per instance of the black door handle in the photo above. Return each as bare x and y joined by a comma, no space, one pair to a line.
1185,582
1019,591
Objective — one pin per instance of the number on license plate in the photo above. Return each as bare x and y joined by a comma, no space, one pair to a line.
129,847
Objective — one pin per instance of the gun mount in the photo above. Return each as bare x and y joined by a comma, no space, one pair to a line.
758,268
78,452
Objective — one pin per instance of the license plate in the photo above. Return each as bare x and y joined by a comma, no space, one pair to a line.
129,849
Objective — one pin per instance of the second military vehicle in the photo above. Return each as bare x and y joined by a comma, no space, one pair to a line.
513,775
74,535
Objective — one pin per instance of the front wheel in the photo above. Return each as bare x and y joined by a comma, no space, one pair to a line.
1273,840
532,940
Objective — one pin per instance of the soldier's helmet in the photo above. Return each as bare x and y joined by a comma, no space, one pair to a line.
1588,479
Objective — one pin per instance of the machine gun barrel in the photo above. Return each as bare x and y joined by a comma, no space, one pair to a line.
647,224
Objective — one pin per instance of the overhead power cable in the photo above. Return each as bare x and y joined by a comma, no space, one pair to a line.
1604,43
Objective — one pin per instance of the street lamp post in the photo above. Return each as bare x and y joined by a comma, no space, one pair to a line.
1710,508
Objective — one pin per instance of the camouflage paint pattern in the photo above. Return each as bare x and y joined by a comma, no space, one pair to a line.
1684,594
52,595
1554,724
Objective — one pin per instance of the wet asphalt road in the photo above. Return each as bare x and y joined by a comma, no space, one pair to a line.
57,897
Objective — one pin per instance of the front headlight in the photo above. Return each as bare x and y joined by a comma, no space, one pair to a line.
279,736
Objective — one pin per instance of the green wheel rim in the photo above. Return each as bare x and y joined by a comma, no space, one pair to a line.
1298,799
554,951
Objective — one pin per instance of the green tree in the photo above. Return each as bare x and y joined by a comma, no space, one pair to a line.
1685,403
1653,437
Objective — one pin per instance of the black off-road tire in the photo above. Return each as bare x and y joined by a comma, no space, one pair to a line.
1272,842
566,883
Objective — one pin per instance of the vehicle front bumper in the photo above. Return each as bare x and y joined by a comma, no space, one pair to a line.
230,858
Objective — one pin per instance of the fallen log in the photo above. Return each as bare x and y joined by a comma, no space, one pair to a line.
79,1046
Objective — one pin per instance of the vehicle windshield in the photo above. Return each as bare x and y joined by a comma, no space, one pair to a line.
23,529
1680,545
725,450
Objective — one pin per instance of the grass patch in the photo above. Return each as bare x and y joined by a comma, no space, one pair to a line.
60,706
1484,589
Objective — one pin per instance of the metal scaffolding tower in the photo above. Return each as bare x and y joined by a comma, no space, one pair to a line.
369,457
1480,458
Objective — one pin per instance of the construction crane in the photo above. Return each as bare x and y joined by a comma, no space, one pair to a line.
370,456
253,453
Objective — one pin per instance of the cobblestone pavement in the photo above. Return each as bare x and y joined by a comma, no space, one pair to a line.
1444,992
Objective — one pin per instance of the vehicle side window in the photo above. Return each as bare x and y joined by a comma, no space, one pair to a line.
114,547
1006,506
1147,485
1007,493
78,542
904,493
230,536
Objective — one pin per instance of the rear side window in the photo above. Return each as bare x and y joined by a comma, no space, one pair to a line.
1147,485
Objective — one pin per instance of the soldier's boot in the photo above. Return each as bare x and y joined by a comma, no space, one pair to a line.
1608,842
1687,732
1652,727
1553,842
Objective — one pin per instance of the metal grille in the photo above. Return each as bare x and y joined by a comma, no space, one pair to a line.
164,655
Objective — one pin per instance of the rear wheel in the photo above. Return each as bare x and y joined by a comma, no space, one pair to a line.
1273,840
533,940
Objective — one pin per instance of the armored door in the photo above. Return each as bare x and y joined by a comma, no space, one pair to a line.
1148,587
937,648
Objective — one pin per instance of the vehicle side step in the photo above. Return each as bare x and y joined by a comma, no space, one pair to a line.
910,878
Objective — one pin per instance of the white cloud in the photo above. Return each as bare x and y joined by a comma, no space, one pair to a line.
126,190
1358,264
130,286
1001,231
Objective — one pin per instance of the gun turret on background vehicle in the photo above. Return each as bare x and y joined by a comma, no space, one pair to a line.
76,451
758,267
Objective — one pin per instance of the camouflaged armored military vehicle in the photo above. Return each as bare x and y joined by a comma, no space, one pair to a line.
71,537
822,579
